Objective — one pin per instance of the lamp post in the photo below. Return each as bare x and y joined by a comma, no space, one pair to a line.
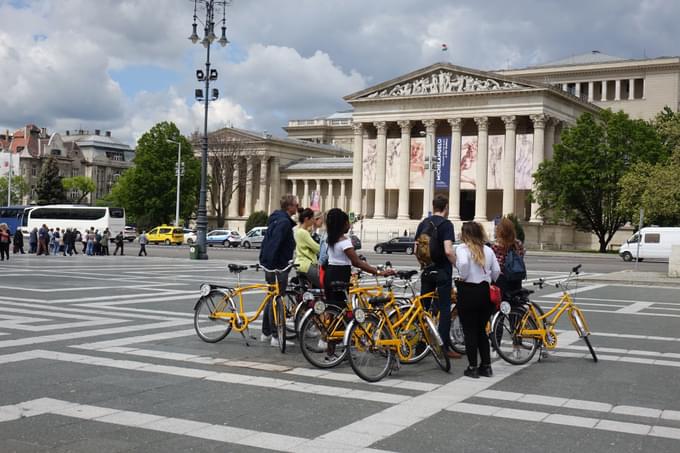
428,193
209,75
178,169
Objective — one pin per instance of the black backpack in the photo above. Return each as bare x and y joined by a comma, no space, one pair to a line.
514,268
430,249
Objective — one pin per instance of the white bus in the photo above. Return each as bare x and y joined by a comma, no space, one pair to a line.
74,216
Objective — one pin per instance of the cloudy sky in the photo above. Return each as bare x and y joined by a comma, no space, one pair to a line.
124,65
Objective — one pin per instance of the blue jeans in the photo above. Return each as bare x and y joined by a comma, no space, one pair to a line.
90,248
441,282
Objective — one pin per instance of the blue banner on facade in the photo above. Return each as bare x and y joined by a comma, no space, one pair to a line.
442,162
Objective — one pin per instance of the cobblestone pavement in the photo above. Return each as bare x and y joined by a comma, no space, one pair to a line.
99,354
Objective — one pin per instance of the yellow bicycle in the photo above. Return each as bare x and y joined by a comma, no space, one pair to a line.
518,332
220,309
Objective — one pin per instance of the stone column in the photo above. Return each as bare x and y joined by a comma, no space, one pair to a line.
550,129
565,87
342,201
577,90
591,89
604,91
357,167
318,190
482,168
381,151
617,90
262,195
538,156
329,196
235,195
454,172
305,195
404,170
631,89
295,192
509,164
428,186
248,209
275,194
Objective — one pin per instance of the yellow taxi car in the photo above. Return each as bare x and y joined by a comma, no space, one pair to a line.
166,234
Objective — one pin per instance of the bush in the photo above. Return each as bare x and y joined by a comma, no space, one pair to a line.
256,219
518,227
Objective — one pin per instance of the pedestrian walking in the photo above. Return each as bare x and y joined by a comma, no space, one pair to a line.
143,240
33,241
90,241
50,242
119,241
434,249
106,238
43,240
5,241
76,239
97,242
477,268
66,238
19,242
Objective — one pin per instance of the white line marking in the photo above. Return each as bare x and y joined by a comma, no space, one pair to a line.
576,291
635,307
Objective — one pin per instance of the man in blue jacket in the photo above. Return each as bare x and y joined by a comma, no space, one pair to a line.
276,251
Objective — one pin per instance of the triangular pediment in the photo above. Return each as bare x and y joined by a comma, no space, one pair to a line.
438,79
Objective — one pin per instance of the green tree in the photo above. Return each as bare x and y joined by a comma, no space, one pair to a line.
148,190
256,219
581,183
656,188
19,190
49,188
83,184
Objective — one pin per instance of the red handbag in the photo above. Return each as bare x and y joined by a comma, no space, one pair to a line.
495,295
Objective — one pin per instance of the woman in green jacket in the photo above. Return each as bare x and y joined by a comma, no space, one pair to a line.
306,248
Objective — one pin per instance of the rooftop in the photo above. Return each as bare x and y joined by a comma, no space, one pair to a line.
321,163
591,57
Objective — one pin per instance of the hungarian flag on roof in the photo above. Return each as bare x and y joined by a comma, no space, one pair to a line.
445,47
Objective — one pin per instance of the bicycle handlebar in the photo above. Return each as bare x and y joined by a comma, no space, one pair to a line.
290,266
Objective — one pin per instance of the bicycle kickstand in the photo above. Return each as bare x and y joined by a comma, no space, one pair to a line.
246,335
394,366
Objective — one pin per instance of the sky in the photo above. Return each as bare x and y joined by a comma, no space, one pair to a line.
125,65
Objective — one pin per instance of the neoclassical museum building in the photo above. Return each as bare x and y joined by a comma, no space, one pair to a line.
475,136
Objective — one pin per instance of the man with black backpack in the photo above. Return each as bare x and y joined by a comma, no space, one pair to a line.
435,253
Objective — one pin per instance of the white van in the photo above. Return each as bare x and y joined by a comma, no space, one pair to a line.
655,243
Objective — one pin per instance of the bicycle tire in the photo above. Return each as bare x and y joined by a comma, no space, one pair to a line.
436,344
456,334
414,336
291,322
206,328
313,331
590,348
512,347
280,308
362,349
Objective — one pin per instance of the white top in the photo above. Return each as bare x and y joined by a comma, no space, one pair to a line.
336,252
472,272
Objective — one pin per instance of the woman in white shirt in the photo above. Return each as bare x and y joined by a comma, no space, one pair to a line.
477,268
342,256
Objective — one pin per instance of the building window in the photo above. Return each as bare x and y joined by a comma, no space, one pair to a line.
75,172
55,152
639,88
115,155
34,171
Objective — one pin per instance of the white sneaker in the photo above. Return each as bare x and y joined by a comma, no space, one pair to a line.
274,342
322,345
265,338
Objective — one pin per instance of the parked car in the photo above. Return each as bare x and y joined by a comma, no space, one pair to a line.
253,238
234,239
356,242
652,242
218,237
189,236
166,234
129,233
399,244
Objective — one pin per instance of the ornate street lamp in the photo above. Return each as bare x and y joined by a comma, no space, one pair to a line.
206,96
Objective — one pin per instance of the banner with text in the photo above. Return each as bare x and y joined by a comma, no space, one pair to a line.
442,162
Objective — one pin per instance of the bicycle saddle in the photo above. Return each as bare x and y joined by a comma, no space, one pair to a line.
236,268
521,293
406,275
378,300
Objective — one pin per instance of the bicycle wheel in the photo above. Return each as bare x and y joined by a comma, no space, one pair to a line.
456,333
590,348
369,361
280,308
314,338
209,328
512,347
435,342
413,341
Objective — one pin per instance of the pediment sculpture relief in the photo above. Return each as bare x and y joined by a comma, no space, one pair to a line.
444,82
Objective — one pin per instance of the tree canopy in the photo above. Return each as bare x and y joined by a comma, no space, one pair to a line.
82,184
148,190
49,188
581,183
19,189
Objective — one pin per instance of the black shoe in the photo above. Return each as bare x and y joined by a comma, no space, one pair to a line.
471,372
485,370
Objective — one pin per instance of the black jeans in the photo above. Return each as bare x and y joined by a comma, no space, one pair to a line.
334,273
4,250
268,316
441,282
119,247
142,249
474,309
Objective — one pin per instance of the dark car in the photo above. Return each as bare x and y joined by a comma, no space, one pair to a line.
356,242
400,244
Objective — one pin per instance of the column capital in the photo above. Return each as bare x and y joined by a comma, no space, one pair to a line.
358,128
482,123
510,121
539,120
405,126
381,126
456,124
430,125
